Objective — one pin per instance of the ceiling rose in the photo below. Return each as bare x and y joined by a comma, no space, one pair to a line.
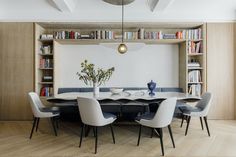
118,2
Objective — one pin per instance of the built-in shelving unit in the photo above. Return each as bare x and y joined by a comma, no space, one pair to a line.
191,38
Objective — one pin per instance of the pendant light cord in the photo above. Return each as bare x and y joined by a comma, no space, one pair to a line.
122,21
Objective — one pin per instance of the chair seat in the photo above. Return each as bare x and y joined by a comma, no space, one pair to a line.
187,109
108,115
147,116
54,109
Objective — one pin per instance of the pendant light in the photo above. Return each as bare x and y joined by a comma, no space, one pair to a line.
122,48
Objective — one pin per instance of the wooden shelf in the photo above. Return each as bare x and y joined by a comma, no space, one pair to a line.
45,82
45,40
195,82
45,54
98,41
195,68
195,54
194,40
46,68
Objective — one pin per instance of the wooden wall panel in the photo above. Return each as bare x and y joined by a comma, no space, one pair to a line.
17,65
220,69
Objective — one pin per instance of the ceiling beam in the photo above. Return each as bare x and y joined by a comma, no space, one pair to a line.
158,5
65,5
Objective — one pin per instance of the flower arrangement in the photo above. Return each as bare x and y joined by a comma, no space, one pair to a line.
90,75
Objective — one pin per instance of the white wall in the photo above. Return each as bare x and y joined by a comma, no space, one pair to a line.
97,10
133,69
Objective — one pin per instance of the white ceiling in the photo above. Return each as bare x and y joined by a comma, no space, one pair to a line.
97,10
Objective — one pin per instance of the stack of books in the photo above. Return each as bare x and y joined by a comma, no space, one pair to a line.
195,90
46,63
194,47
192,34
104,34
66,35
131,35
153,35
46,91
46,36
194,76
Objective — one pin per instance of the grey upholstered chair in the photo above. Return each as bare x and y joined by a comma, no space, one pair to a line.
91,115
40,111
162,118
200,110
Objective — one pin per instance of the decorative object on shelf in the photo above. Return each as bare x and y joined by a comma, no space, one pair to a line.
116,90
151,86
122,48
95,77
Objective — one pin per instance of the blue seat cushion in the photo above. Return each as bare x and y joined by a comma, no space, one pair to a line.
188,109
109,115
147,116
54,109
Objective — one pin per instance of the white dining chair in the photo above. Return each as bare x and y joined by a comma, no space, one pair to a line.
40,111
91,115
200,110
162,118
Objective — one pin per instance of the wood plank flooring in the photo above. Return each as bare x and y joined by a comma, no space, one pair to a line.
14,141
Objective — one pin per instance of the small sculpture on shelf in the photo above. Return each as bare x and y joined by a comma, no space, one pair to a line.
151,86
95,77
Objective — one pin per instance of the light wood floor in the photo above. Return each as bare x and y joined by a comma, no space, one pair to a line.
14,141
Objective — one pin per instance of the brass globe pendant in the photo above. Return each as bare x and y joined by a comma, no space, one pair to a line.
122,48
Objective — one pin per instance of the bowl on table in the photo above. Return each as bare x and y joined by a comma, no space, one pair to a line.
116,90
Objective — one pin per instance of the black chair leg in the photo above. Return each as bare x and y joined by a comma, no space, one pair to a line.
140,130
81,135
112,133
182,121
32,130
94,132
53,125
96,139
201,123
37,124
208,131
152,131
171,135
57,122
161,140
188,121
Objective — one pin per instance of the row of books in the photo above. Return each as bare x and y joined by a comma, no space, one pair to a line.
46,91
191,34
46,49
194,47
194,76
72,35
140,34
46,63
195,89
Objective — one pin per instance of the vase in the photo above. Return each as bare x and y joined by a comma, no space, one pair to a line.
151,86
95,90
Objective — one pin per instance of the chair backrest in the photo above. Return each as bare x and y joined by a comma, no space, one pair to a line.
35,103
90,111
164,114
205,103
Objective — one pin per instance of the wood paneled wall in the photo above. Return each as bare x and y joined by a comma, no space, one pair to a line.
221,69
16,70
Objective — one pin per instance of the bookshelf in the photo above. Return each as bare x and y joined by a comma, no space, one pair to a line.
191,38
44,68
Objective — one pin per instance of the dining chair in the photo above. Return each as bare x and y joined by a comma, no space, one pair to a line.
91,115
199,110
156,121
40,111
